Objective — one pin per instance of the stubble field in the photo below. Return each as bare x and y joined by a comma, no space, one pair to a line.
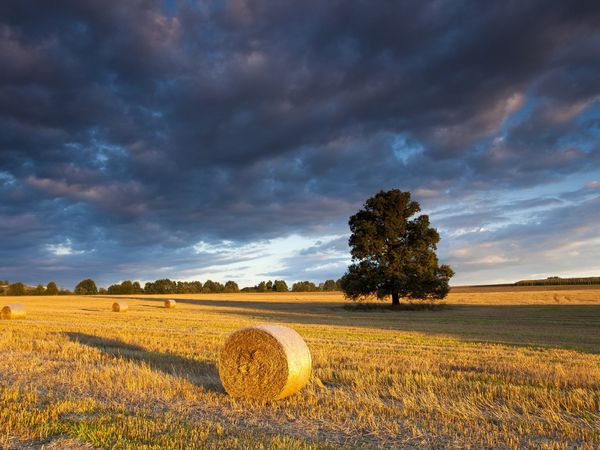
495,368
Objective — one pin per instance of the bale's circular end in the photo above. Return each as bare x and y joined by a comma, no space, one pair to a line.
120,307
266,362
12,311
170,303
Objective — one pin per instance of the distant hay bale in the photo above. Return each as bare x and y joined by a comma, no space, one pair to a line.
13,311
170,303
265,362
120,307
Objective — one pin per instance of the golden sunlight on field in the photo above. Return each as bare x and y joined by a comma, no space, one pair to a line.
507,368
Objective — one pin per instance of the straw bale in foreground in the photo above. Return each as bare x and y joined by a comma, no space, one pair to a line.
265,362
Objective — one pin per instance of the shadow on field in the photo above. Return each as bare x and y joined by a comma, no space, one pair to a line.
199,373
322,312
574,327
406,306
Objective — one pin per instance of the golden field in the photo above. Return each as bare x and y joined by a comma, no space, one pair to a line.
494,368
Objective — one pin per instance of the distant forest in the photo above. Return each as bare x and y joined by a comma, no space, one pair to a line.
165,286
558,281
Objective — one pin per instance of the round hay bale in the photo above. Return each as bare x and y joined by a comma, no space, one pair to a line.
170,303
266,362
13,311
120,307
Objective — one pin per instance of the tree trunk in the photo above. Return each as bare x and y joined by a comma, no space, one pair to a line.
395,298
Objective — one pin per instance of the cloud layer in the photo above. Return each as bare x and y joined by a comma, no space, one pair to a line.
134,135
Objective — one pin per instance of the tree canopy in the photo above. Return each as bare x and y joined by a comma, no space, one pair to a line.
39,290
17,288
393,252
331,285
127,287
231,286
86,287
280,286
304,286
51,288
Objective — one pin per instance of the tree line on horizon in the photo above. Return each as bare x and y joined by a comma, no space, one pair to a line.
19,288
166,286
558,281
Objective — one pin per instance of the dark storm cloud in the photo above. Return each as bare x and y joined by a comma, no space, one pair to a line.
130,131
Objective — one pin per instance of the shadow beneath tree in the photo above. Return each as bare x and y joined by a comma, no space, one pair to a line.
199,373
408,306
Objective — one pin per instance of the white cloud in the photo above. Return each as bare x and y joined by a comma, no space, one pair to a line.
494,259
221,247
463,231
251,263
63,249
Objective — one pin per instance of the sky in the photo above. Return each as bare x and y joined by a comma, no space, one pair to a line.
227,140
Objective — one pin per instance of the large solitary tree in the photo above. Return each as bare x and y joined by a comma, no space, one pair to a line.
393,252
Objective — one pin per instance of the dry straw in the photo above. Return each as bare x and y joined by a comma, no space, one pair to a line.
170,303
266,362
13,311
120,307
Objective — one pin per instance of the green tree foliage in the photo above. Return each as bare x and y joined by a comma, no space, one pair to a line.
260,287
189,287
393,252
16,289
558,281
137,289
304,286
162,286
231,286
51,288
39,290
114,289
166,286
124,288
212,287
86,287
127,287
329,285
280,286
268,286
